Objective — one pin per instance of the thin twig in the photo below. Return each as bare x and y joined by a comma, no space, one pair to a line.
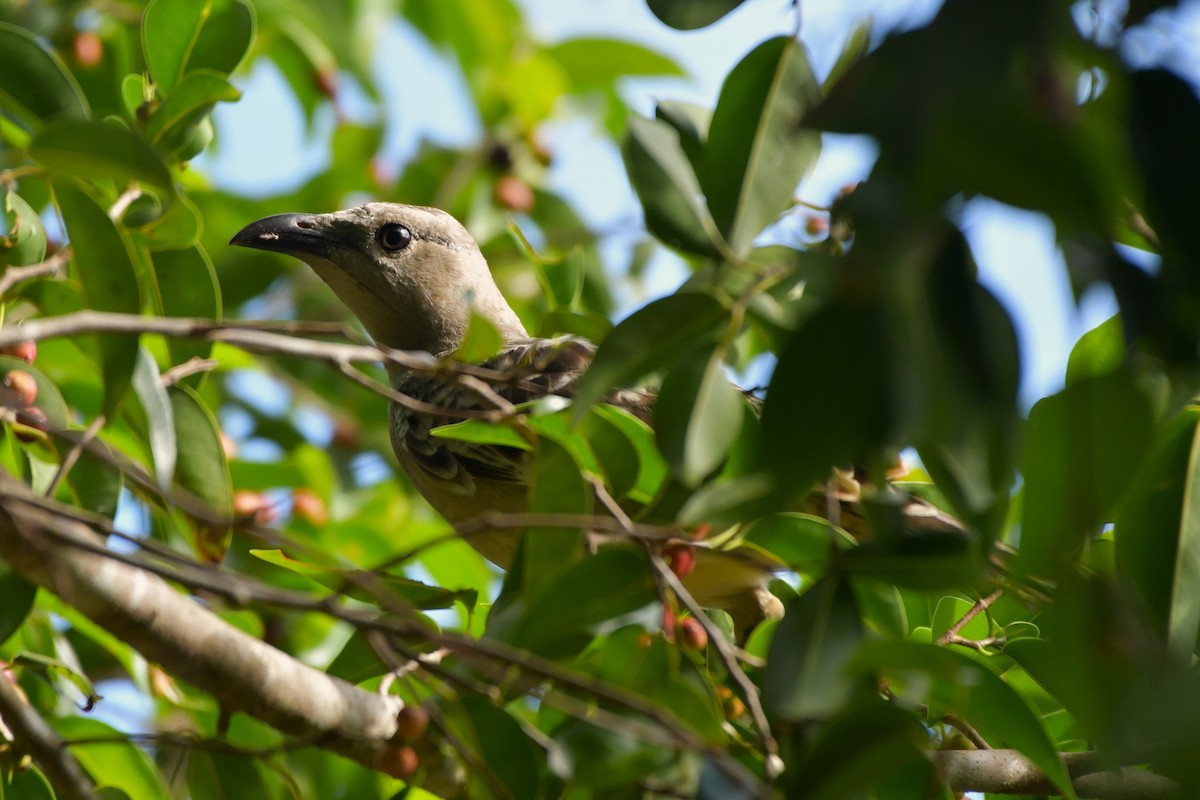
52,266
38,740
966,730
192,366
74,453
981,604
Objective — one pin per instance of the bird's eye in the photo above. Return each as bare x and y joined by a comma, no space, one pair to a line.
393,237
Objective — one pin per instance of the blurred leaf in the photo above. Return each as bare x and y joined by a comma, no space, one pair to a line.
481,341
939,560
587,755
616,455
214,774
187,287
27,784
806,676
652,468
180,36
953,682
95,481
504,747
1157,534
691,122
1098,352
479,431
104,264
175,226
160,419
557,487
26,239
757,152
201,466
668,188
698,414
16,600
34,82
601,62
610,584
188,103
112,762
648,339
1084,446
99,151
803,542
687,15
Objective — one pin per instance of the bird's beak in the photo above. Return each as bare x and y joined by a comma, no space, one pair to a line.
294,234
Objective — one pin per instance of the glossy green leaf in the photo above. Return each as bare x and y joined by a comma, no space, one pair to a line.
698,415
600,62
649,339
113,763
687,15
104,264
478,431
504,747
35,84
806,676
610,584
94,480
188,103
187,287
757,151
16,600
557,487
1084,446
691,122
160,420
1098,352
482,341
668,188
26,239
100,151
652,468
201,467
617,456
179,36
173,226
954,682
1157,534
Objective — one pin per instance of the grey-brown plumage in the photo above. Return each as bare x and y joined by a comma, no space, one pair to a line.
413,276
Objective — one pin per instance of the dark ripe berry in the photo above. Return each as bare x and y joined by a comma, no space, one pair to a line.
681,558
692,634
399,762
514,194
18,389
32,417
310,508
411,723
26,351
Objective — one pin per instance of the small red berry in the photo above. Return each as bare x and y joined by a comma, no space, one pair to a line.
88,49
815,226
18,389
310,508
26,351
251,506
692,634
514,194
399,762
681,558
411,723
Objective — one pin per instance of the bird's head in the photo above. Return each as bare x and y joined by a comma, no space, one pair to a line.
412,275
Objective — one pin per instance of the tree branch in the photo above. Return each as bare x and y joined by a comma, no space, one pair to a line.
36,739
1009,772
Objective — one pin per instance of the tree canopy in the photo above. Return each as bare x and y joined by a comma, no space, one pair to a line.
199,509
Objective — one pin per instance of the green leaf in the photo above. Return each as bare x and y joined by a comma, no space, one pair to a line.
610,584
179,36
806,675
668,188
477,431
557,487
1157,534
100,151
1098,352
601,62
112,763
757,153
35,84
649,339
1084,446
504,747
481,341
187,104
938,560
27,784
26,240
688,15
691,122
201,467
652,468
104,264
187,287
16,600
698,415
952,682
160,420
617,456
803,542
94,480
214,774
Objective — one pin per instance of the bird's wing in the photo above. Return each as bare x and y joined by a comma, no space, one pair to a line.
529,369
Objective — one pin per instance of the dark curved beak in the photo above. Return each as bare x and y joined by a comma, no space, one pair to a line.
293,234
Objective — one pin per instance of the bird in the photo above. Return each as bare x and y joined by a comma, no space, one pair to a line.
413,276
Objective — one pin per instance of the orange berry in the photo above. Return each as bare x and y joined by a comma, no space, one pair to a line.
399,762
26,351
692,634
251,506
411,723
310,508
18,389
815,226
514,194
734,708
681,558
228,445
88,49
